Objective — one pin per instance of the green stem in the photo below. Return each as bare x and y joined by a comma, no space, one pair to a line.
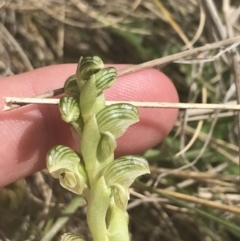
106,221
118,226
98,203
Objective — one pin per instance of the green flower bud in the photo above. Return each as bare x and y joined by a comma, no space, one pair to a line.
64,164
124,170
71,87
87,66
71,237
117,118
105,78
69,109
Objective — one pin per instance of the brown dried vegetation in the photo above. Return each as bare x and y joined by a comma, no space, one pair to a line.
193,192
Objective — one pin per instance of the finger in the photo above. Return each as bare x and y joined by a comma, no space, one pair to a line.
29,132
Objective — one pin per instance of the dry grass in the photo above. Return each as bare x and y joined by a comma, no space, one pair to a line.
193,191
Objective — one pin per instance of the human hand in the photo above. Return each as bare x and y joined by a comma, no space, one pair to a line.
29,132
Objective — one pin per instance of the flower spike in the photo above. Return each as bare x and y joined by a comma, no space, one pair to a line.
92,171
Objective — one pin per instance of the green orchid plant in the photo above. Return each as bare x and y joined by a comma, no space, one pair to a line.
92,170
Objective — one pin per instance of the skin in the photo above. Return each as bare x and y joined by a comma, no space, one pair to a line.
30,131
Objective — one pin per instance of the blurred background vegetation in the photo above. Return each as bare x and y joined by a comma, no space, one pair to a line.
191,195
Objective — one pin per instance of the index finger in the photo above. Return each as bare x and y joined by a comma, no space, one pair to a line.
30,131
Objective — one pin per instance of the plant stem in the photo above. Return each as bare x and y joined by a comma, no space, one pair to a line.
16,100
